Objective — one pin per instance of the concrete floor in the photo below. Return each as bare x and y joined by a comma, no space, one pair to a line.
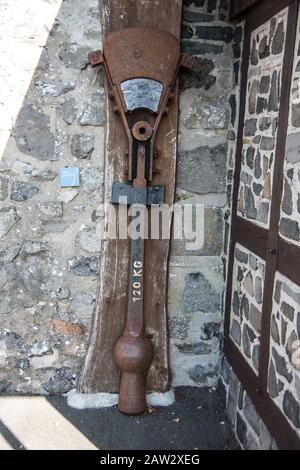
196,421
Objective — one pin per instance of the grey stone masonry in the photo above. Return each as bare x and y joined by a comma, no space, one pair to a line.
249,428
248,282
289,226
204,27
284,366
207,128
49,244
264,89
261,119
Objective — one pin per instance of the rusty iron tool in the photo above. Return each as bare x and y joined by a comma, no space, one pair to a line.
141,67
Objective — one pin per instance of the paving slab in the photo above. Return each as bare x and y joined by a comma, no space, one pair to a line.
196,421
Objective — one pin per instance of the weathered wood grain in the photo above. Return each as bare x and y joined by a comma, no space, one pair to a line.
99,372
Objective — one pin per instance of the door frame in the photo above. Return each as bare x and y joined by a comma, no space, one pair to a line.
265,243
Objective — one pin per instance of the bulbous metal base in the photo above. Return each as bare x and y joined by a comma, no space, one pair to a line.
133,355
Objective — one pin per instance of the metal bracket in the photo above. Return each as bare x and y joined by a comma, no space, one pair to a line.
141,74
96,58
187,61
153,195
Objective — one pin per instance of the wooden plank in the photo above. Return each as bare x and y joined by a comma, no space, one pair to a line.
251,236
99,372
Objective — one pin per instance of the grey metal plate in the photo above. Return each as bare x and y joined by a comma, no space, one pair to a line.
142,93
125,194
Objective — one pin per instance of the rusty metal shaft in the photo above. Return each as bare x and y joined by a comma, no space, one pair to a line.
133,351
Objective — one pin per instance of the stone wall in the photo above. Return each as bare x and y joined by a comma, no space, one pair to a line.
261,119
249,428
247,297
48,241
284,365
290,209
196,282
48,235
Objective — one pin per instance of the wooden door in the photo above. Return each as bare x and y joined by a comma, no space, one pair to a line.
262,323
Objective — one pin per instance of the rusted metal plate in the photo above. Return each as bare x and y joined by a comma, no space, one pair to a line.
122,192
141,52
100,372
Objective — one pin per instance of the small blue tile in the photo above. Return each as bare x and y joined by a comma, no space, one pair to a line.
69,177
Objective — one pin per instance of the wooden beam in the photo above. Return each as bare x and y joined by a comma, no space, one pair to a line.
239,6
251,236
100,373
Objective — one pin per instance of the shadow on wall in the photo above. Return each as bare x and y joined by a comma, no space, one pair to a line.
48,241
24,30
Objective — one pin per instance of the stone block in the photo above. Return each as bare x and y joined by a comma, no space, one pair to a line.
74,56
3,188
62,381
94,111
203,170
290,229
293,148
84,266
199,294
291,408
195,47
33,135
82,145
88,240
8,218
215,33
